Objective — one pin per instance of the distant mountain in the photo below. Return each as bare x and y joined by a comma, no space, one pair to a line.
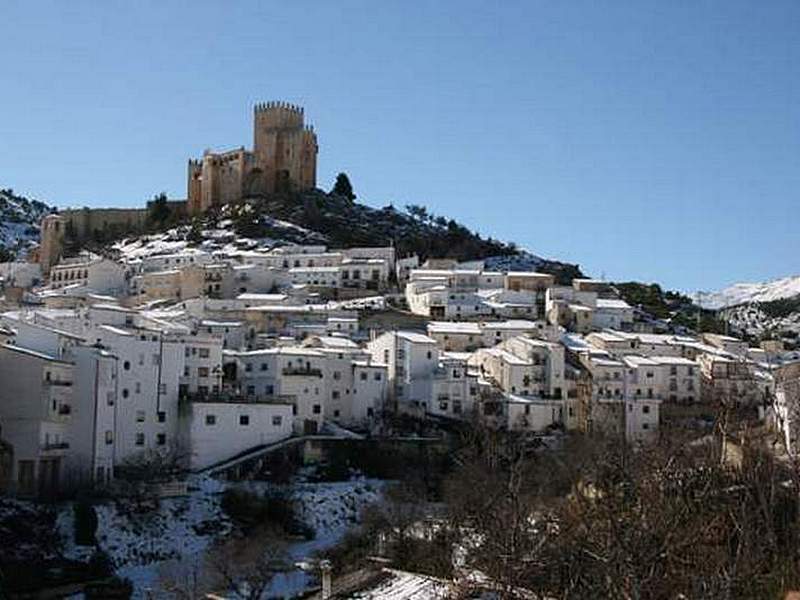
749,293
19,223
759,310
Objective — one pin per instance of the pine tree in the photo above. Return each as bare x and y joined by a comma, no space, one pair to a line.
343,187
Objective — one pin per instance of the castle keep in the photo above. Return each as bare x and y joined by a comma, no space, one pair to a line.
284,157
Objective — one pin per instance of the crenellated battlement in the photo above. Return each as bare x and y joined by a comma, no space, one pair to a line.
278,105
278,115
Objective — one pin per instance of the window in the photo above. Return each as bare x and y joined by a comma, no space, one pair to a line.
126,365
377,377
244,419
248,367
205,352
264,366
337,375
645,426
140,439
137,387
363,376
277,420
457,406
109,437
186,371
430,354
335,394
162,416
202,371
336,413
125,393
251,390
211,419
161,439
162,388
316,409
140,416
646,409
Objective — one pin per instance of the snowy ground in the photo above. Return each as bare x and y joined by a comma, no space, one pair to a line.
144,546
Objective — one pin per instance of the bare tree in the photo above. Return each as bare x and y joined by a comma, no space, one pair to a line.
247,564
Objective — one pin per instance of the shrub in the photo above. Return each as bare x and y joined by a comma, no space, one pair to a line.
85,523
276,507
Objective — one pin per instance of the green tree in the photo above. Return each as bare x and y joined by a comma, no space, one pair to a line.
159,210
343,187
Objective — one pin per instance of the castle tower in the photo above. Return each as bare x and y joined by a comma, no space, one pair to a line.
285,148
53,229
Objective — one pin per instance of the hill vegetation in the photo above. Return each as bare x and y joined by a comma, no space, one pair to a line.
340,222
671,306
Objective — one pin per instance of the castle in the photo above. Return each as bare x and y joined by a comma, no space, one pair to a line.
284,157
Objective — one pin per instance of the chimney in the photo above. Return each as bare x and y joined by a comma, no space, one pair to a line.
325,569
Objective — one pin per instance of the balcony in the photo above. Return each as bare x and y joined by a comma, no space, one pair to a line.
301,372
56,383
55,446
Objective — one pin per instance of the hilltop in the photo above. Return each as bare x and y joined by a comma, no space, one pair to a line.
315,217
19,223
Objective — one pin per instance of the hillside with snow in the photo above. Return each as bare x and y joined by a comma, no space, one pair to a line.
19,222
749,293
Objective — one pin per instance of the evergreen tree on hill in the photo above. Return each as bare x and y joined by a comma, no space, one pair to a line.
343,187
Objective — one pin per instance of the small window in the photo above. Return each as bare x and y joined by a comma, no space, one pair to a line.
140,439
140,416
276,421
211,419
162,416
126,365
316,409
244,419
205,353
161,439
363,376
125,393
109,437
335,394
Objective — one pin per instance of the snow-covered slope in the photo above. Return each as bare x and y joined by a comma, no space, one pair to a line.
746,293
19,221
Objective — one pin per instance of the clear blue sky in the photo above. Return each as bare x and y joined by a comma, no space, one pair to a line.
657,141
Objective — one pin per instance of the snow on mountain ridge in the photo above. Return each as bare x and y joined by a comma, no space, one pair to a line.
745,293
19,221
